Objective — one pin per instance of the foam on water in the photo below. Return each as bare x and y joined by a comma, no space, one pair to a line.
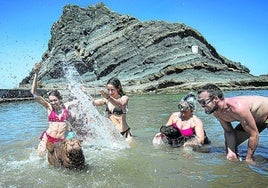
21,164
100,131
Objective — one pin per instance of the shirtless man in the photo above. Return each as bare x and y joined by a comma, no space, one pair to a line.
250,111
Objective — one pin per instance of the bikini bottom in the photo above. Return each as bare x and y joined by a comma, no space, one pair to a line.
126,133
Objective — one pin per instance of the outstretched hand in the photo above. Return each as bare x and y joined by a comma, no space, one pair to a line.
250,161
37,67
84,89
104,94
231,156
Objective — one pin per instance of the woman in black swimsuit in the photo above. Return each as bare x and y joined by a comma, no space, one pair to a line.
116,105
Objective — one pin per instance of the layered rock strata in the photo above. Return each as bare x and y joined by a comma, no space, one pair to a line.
150,56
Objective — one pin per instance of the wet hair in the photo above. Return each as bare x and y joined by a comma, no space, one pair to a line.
213,90
55,93
117,84
190,100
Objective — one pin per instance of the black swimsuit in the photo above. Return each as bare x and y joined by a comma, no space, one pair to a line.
126,133
116,110
119,111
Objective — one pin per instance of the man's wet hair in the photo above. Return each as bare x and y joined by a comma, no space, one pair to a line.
212,89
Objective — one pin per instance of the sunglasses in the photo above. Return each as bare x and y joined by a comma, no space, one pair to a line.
183,108
204,102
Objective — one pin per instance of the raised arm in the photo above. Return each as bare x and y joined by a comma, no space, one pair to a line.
34,85
122,102
34,92
97,102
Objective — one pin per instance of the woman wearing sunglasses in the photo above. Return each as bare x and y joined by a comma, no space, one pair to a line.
183,128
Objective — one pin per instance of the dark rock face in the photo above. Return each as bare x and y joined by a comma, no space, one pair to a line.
9,95
145,56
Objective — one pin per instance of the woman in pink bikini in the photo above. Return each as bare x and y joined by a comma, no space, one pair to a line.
58,116
183,128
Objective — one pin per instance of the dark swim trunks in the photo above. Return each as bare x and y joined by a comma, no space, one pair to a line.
260,127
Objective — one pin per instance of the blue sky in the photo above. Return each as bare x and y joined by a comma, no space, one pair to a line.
237,29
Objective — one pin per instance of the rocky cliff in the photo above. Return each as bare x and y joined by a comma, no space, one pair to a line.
145,56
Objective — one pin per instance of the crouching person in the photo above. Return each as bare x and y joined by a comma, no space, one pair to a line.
183,128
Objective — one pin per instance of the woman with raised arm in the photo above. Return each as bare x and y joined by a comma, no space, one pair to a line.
58,116
116,105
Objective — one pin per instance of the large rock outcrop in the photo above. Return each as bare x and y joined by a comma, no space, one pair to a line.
145,56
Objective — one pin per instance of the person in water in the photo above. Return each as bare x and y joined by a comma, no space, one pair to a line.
183,128
58,116
250,111
116,105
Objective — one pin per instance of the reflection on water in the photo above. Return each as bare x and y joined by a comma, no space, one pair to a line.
142,165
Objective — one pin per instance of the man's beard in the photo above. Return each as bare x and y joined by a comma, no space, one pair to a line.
211,110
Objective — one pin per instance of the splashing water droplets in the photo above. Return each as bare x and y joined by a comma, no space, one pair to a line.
95,129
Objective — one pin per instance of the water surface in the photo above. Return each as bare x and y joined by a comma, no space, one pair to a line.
142,165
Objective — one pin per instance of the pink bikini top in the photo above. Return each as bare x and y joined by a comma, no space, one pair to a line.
184,132
54,117
187,132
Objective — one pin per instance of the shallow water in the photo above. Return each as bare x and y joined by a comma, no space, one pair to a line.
141,165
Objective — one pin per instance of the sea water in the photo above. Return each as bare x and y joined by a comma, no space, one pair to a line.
141,165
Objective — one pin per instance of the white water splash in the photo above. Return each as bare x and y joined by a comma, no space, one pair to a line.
99,130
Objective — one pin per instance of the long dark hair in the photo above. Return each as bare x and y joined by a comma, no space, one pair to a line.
55,93
117,84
